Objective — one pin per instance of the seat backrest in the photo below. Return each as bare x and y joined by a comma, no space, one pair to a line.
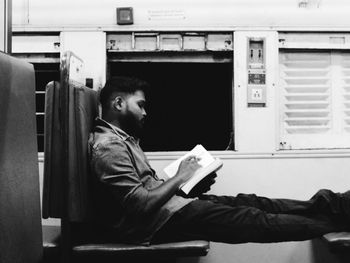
52,188
70,112
20,222
83,109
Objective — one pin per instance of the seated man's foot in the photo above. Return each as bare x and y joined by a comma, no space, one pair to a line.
345,204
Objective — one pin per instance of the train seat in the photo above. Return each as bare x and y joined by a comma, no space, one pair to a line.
20,222
66,190
338,242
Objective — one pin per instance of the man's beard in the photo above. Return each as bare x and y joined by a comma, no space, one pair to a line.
133,126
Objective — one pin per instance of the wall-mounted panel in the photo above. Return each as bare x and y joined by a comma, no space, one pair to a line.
320,40
145,41
195,41
217,41
121,42
171,42
165,41
255,127
35,44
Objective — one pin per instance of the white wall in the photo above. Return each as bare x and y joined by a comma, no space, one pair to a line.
280,175
39,14
296,176
91,48
255,128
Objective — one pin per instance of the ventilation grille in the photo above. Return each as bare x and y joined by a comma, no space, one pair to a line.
307,92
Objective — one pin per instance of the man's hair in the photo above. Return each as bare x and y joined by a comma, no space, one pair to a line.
120,85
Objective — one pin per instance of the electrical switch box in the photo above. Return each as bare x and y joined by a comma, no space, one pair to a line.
125,16
256,88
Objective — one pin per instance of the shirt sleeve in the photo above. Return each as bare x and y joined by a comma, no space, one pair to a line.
113,165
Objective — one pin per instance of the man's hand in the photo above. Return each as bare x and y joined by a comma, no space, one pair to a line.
203,186
162,193
187,168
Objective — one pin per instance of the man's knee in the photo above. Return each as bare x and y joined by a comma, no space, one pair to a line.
325,194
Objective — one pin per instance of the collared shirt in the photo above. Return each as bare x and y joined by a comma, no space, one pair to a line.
125,178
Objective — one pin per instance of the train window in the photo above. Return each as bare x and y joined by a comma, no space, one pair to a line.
314,99
188,103
43,51
44,73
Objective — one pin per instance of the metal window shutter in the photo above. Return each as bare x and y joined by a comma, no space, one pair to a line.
314,99
346,91
306,96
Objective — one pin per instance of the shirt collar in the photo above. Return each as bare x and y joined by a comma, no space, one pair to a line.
117,130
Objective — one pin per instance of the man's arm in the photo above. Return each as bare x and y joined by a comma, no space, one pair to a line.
114,167
161,194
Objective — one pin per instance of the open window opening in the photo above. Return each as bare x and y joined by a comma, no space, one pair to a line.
188,103
43,52
44,73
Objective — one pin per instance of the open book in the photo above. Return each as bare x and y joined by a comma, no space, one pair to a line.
207,161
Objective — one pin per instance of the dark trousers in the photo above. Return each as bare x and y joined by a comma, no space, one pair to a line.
249,218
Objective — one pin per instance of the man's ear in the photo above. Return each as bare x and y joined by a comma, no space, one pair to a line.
118,103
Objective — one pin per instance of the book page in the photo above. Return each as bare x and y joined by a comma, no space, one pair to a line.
199,151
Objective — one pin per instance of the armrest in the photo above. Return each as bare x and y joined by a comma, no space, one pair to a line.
338,241
172,249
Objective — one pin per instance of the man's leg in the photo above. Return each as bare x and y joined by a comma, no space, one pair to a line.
239,224
323,202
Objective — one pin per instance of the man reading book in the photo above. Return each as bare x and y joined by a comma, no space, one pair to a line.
139,207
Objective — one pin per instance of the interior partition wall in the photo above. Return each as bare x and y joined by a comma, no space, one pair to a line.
5,25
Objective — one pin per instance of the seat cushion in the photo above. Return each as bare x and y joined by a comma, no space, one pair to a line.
338,241
175,249
51,244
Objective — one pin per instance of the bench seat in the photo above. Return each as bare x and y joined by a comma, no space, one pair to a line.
173,249
338,241
51,245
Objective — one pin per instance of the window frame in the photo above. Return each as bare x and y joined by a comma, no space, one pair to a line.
336,137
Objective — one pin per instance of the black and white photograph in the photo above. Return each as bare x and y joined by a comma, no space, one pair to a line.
202,131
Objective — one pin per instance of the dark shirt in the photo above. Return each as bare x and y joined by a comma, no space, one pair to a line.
125,178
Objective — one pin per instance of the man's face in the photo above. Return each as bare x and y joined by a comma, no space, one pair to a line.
134,113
